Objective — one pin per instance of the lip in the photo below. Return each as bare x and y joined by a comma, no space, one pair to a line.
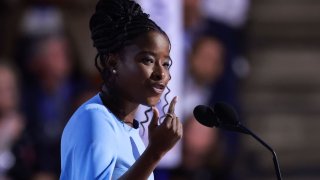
158,88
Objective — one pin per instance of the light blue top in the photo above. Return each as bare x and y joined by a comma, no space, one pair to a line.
97,145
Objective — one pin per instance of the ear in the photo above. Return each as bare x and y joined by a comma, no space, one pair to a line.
112,61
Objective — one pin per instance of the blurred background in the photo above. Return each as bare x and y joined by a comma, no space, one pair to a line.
262,57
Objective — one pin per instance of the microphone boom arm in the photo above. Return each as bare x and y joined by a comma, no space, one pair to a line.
275,159
223,116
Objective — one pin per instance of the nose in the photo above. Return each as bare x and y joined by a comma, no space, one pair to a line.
158,73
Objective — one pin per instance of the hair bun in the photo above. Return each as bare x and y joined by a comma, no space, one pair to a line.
116,21
111,19
111,12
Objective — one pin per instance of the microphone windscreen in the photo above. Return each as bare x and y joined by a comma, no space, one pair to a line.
205,116
226,114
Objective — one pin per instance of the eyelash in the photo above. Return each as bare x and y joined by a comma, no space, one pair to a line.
148,61
166,64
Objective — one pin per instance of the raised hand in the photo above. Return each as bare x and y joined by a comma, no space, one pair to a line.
164,136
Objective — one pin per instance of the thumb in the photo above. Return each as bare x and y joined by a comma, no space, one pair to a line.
155,118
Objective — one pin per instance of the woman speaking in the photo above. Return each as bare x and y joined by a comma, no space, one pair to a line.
101,139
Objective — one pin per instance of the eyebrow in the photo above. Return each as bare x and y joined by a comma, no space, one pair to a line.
153,54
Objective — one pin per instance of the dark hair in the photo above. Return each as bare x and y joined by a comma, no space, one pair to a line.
114,25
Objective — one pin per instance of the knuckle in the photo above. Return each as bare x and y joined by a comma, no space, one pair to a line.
178,135
173,131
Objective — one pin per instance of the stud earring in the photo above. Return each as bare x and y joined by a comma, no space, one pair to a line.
114,71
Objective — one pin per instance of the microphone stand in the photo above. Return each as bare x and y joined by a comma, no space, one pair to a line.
275,159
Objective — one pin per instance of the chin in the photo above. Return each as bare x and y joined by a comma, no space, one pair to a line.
152,101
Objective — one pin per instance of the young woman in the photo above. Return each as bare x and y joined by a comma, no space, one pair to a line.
101,140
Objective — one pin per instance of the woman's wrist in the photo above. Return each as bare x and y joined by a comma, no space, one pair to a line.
154,153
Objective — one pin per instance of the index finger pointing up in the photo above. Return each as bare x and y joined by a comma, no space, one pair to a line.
172,105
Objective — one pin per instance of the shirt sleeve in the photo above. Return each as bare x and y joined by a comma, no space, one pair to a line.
95,151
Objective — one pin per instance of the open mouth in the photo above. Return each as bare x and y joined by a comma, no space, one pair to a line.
158,88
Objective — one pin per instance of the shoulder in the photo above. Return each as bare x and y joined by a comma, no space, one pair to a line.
91,121
91,135
93,106
94,110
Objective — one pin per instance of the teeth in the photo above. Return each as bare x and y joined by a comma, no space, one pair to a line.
158,90
159,86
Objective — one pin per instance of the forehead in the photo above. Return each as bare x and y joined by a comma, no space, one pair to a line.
151,41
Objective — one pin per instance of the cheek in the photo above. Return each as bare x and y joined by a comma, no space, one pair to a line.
133,76
141,73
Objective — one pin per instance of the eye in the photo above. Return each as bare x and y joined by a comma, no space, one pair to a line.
147,61
167,64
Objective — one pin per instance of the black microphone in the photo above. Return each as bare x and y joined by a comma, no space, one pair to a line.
220,117
225,117
135,124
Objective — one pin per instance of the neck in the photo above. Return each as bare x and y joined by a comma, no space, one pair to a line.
120,107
